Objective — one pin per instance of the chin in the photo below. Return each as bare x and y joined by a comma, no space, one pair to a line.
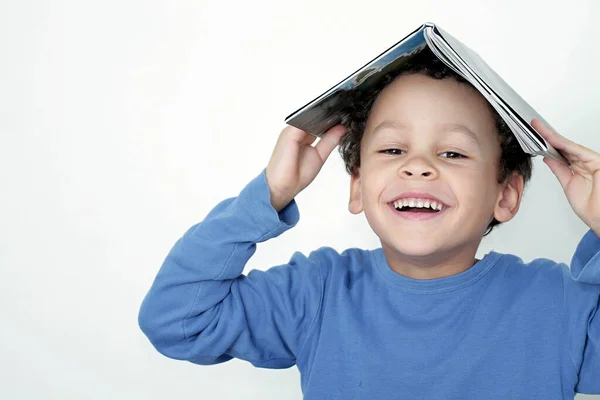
415,247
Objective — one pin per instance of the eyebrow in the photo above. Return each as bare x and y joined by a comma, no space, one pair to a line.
388,124
461,128
445,127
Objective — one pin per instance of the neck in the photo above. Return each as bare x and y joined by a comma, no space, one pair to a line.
430,266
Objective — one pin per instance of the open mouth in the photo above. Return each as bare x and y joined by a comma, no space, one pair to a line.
417,209
418,205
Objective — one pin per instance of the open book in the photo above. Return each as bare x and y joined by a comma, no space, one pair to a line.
328,109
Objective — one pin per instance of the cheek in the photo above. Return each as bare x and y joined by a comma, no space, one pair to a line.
479,190
374,183
370,194
469,183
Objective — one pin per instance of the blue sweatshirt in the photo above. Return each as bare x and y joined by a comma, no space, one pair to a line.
502,329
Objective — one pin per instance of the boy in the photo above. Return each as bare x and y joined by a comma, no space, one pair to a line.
434,169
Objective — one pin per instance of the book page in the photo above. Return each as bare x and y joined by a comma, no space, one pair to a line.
512,108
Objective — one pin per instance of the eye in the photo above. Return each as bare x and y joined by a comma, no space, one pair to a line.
452,154
395,152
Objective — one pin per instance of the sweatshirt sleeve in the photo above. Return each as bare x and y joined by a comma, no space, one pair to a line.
582,295
201,308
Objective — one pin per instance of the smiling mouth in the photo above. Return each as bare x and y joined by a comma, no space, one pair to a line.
417,211
418,205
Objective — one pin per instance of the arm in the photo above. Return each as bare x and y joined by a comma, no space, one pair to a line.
202,309
580,181
582,299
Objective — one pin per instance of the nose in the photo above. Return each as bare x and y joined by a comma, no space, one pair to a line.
417,167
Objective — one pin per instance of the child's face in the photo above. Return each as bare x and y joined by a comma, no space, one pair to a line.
426,119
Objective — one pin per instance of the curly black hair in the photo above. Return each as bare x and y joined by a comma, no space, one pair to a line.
512,158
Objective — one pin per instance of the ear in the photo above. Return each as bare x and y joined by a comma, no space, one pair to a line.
509,199
355,205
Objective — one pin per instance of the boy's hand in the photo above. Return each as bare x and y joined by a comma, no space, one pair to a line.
580,181
295,163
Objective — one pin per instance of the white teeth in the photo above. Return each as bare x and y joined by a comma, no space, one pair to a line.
420,203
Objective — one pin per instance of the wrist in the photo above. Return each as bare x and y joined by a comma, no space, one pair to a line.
279,203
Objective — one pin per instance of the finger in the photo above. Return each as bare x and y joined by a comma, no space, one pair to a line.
569,148
330,139
560,170
297,135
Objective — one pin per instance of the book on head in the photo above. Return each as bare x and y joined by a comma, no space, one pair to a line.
331,107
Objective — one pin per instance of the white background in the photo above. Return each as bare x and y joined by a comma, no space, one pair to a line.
123,123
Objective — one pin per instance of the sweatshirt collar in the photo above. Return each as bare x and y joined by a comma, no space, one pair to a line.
433,286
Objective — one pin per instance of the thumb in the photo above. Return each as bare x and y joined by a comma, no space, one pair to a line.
330,139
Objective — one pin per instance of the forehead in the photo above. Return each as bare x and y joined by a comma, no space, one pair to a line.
388,127
419,102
